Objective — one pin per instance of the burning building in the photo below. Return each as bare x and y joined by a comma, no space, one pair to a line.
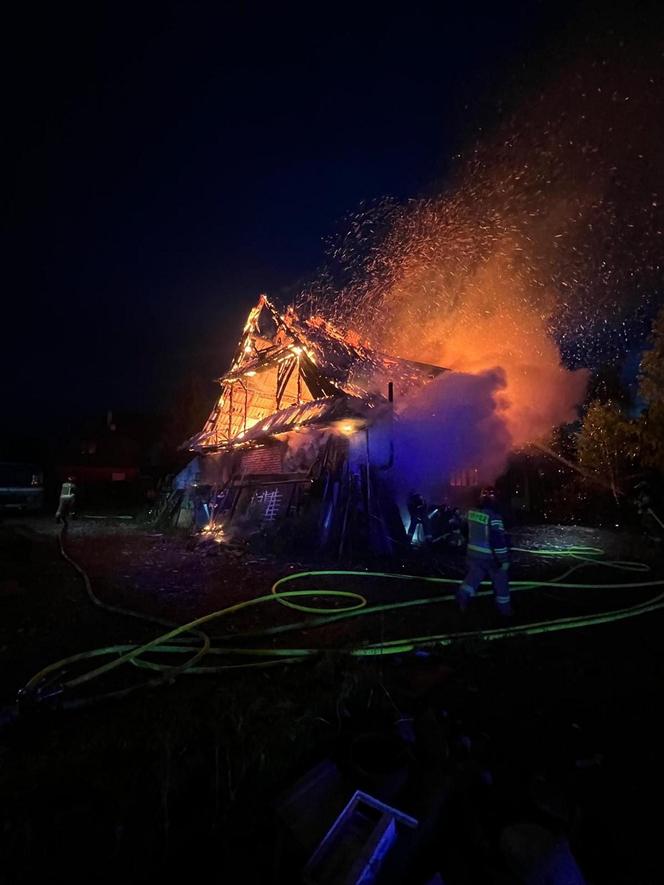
300,438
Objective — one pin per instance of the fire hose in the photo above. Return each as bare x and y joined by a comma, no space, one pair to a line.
50,684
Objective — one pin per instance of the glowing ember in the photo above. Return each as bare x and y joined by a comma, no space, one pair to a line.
213,532
542,258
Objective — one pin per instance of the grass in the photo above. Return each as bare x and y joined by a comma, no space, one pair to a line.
153,787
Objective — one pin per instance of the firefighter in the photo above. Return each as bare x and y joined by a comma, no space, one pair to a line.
67,501
450,521
487,554
417,508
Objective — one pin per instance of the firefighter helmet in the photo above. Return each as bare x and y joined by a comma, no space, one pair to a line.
487,495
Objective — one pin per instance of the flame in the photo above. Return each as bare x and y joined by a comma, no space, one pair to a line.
548,235
496,325
214,533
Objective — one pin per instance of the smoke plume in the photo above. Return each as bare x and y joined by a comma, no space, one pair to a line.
539,261
451,425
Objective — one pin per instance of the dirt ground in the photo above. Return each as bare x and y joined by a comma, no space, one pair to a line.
564,728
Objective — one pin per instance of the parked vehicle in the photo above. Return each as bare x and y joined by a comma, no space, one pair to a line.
21,487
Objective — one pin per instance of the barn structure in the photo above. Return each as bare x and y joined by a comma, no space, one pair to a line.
299,443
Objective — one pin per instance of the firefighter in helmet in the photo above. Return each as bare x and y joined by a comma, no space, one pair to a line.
419,515
67,501
487,554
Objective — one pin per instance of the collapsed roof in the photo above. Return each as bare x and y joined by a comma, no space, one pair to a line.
288,373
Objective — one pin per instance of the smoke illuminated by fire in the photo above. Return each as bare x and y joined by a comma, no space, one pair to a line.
494,326
541,258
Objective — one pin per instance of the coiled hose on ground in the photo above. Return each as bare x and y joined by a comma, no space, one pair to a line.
177,640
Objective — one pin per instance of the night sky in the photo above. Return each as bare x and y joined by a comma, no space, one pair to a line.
166,164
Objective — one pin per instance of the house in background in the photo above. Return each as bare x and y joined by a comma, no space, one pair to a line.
107,456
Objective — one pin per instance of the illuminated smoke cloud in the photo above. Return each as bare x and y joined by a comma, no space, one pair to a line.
492,326
452,424
544,256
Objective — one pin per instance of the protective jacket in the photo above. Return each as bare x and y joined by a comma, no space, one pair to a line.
487,540
68,490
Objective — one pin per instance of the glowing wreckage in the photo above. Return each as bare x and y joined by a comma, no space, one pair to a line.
303,423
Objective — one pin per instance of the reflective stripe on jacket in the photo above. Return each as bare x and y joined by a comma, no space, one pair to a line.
486,535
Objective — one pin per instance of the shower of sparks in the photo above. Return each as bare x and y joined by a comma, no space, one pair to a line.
546,244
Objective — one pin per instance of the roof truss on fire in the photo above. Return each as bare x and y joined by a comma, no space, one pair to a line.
283,364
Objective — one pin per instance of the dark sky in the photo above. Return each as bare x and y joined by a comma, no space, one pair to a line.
165,165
